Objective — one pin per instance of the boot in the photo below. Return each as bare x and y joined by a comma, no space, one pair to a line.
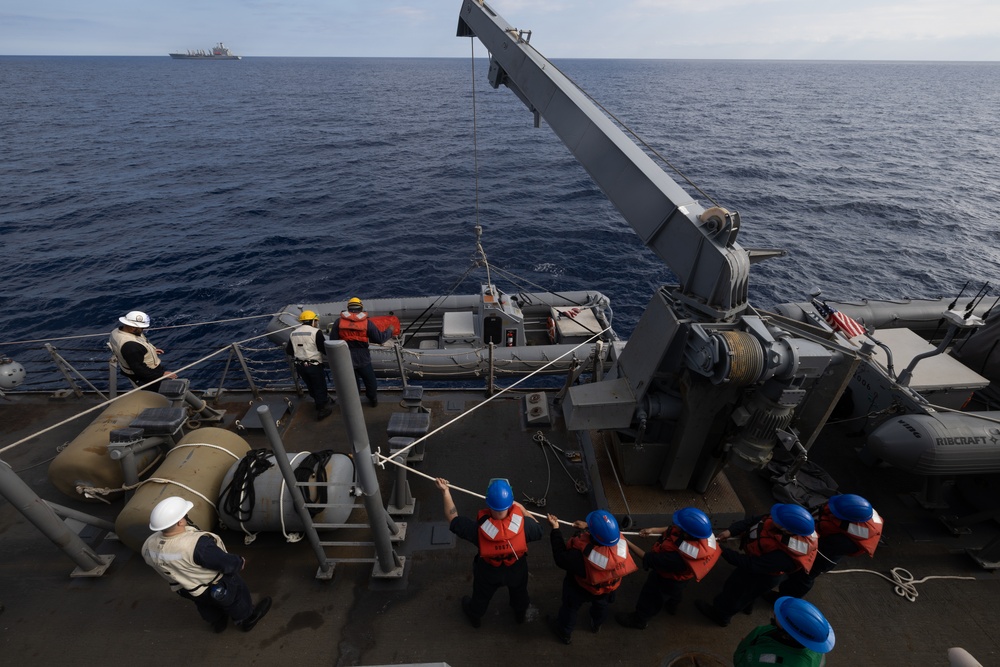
467,610
258,613
631,620
709,611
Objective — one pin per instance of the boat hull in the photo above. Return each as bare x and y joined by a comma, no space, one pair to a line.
947,443
447,337
184,56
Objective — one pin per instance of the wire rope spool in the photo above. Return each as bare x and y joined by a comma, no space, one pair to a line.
743,358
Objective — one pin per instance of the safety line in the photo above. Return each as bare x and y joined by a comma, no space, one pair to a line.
105,334
497,395
132,391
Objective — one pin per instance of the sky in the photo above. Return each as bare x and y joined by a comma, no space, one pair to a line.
724,29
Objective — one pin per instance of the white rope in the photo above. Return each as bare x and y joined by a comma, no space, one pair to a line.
289,537
205,444
494,396
904,585
391,460
159,480
105,334
132,391
87,491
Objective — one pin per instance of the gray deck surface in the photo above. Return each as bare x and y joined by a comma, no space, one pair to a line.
128,616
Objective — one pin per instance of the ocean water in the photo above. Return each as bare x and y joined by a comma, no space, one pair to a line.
203,191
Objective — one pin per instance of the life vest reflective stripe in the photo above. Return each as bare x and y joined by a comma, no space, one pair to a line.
765,537
118,340
502,542
866,535
699,555
353,326
304,343
605,566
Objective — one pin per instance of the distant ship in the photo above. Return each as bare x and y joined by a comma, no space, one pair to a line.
219,52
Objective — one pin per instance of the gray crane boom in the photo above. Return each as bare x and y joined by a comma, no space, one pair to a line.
699,246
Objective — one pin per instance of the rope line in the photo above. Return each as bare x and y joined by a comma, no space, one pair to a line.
131,391
904,585
494,396
475,162
88,491
392,457
105,334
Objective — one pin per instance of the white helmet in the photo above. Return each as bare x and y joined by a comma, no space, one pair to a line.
135,318
168,512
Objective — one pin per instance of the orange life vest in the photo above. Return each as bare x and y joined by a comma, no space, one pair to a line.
866,535
353,326
765,537
699,555
502,541
605,566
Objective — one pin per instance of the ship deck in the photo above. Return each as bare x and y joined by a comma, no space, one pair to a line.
128,614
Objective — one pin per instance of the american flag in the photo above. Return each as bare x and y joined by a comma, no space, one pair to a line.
839,321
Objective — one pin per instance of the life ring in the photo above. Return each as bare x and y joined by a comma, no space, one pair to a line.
551,326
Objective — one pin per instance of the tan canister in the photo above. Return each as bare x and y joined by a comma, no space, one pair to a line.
85,460
199,462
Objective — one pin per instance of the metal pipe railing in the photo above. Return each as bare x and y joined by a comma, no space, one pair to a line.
339,357
281,458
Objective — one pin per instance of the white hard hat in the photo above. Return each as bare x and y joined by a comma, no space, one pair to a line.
168,512
135,318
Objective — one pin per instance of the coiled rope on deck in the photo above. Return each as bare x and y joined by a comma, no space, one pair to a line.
904,585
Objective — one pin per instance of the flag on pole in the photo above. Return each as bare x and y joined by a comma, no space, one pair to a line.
838,320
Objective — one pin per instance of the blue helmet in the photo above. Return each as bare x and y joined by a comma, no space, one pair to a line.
849,507
794,519
603,528
805,623
694,522
499,495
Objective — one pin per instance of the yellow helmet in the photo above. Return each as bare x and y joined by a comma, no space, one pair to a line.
308,316
354,304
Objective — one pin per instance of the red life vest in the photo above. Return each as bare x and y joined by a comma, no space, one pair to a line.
866,535
699,555
502,541
765,537
353,326
605,566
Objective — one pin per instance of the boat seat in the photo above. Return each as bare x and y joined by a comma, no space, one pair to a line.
175,389
458,329
413,398
574,329
408,424
160,421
